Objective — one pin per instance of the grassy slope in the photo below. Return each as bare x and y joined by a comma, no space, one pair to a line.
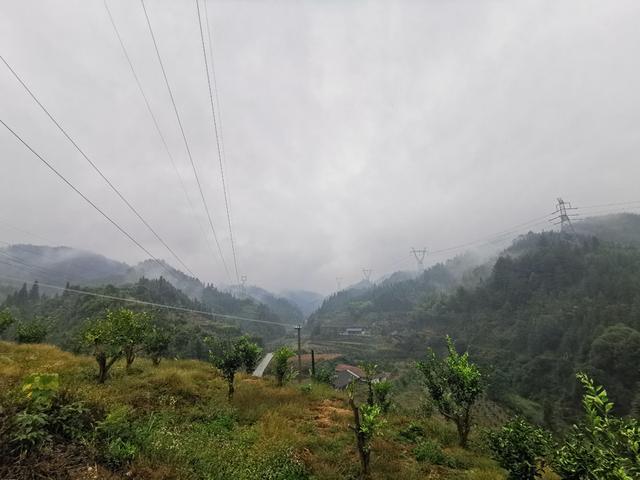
187,429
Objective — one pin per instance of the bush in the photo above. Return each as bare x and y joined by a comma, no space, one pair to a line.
116,438
43,412
284,373
6,319
324,375
602,446
30,430
381,393
32,332
520,448
412,433
306,388
430,452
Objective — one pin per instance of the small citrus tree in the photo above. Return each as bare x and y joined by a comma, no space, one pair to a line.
603,446
6,319
229,356
156,343
282,369
31,332
367,424
119,333
250,353
133,328
521,449
454,384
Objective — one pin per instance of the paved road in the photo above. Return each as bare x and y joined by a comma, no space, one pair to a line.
263,365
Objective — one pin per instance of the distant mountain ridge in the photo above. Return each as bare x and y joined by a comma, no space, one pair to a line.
61,265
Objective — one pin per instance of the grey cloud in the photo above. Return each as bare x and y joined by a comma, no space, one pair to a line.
353,130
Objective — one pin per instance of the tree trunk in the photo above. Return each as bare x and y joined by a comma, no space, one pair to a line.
464,427
101,358
361,441
130,356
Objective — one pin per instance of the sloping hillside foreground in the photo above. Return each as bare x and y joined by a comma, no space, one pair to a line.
174,421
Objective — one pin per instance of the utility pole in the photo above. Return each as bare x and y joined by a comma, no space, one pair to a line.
419,254
562,217
366,272
299,352
339,282
313,363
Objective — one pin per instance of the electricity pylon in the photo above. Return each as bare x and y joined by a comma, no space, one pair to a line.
563,218
419,254
366,272
243,287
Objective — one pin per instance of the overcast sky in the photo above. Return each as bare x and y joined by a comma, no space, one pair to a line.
353,130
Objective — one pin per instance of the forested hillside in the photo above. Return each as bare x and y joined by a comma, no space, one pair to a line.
62,265
66,314
551,305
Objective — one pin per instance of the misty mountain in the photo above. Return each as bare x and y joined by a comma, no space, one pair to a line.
67,312
307,301
61,265
286,310
623,228
58,265
191,286
550,305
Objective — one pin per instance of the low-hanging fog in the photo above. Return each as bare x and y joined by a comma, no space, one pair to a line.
353,130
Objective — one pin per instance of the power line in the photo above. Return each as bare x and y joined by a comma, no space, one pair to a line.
86,199
605,213
215,129
5,224
153,304
215,91
95,167
504,232
156,125
219,105
17,261
608,205
184,137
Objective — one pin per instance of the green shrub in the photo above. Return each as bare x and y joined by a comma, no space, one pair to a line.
120,452
412,433
41,388
306,388
284,372
520,448
71,419
115,436
6,319
32,332
381,393
30,430
43,412
324,375
430,452
602,446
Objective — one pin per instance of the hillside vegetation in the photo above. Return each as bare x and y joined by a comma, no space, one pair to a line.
174,421
550,306
65,315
